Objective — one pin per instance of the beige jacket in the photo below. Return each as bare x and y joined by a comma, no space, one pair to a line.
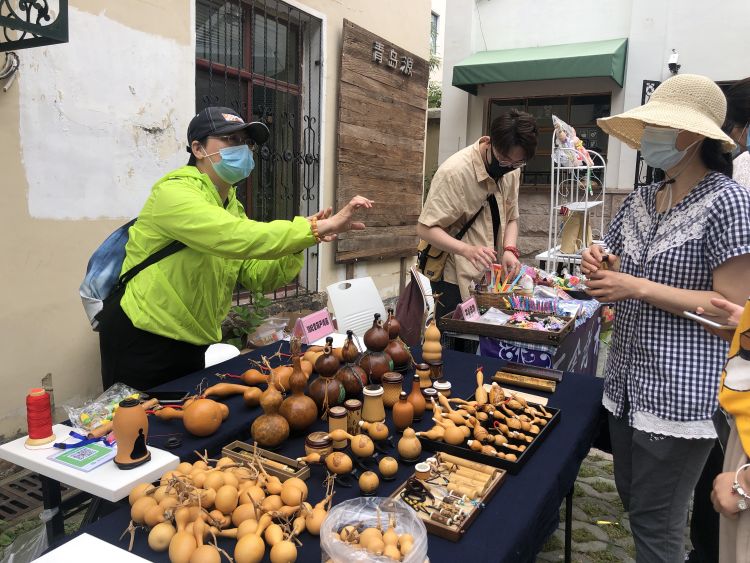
458,189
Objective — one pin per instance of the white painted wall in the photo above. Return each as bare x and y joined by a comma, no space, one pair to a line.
94,143
438,7
709,42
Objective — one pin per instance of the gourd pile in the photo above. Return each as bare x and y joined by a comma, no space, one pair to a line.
377,542
196,503
496,423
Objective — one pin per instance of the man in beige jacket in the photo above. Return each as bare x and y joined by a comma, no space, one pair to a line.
465,184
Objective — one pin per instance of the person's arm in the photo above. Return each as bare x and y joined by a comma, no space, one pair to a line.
511,264
730,281
481,257
268,275
181,212
727,253
443,208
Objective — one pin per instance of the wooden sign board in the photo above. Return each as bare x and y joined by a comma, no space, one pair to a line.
381,137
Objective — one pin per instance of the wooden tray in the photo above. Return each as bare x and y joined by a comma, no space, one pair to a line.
240,451
506,332
455,532
512,467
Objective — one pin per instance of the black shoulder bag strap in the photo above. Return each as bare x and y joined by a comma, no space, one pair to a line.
422,257
168,250
495,219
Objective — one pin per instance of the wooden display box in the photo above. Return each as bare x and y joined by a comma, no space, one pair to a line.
240,451
512,467
455,532
448,323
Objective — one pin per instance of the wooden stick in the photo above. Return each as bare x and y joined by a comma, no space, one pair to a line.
466,463
525,381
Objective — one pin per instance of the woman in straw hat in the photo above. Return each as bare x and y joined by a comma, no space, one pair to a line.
673,246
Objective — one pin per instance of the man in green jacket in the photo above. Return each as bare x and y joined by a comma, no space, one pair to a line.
172,310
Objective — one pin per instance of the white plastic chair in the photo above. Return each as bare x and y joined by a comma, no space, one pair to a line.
217,353
354,302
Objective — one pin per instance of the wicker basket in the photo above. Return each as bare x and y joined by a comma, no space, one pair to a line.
485,300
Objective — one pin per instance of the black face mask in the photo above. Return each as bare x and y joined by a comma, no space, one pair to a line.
495,169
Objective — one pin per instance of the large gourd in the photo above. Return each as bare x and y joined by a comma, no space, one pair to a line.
432,351
351,376
375,362
299,410
270,429
326,390
396,348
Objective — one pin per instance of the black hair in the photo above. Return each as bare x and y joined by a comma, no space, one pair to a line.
514,129
738,105
192,161
715,158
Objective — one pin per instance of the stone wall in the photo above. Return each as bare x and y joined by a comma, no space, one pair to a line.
534,205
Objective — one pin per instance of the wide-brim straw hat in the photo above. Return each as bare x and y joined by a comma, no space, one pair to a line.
687,101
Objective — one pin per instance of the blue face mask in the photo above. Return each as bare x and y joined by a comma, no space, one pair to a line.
658,148
235,165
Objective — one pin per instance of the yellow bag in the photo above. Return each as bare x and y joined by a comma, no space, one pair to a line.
431,261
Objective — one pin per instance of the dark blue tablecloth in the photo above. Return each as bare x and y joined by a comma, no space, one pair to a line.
515,523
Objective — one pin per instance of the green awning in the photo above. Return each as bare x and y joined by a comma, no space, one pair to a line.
574,60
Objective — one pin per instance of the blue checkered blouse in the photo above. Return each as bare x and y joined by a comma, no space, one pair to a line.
663,370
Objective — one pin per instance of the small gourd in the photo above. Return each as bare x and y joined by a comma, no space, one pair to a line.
409,447
270,429
299,410
432,350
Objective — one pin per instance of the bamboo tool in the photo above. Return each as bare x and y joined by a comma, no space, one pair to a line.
525,381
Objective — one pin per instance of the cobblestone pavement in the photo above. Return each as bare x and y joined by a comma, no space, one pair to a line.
601,529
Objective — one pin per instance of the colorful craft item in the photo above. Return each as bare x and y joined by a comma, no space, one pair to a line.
531,321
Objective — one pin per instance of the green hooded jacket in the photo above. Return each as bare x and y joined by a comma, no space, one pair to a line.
187,295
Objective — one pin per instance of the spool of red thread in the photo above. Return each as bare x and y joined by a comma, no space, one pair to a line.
39,418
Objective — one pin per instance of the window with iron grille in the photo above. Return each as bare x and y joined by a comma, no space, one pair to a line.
263,58
579,111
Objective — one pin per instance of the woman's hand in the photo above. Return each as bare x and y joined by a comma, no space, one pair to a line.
723,497
329,227
481,257
608,286
735,313
591,260
511,265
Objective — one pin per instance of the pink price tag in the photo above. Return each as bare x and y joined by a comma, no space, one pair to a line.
467,310
314,326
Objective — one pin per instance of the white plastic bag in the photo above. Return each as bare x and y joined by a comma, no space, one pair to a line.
362,511
31,544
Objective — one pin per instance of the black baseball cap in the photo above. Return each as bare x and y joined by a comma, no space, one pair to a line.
215,121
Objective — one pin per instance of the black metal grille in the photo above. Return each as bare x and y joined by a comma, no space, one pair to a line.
23,494
263,59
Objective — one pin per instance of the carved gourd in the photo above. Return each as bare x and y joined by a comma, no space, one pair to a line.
374,361
396,348
326,390
351,376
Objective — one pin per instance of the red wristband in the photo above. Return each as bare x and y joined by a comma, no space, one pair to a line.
513,250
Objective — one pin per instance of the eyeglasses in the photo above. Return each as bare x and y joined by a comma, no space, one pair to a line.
235,140
510,164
